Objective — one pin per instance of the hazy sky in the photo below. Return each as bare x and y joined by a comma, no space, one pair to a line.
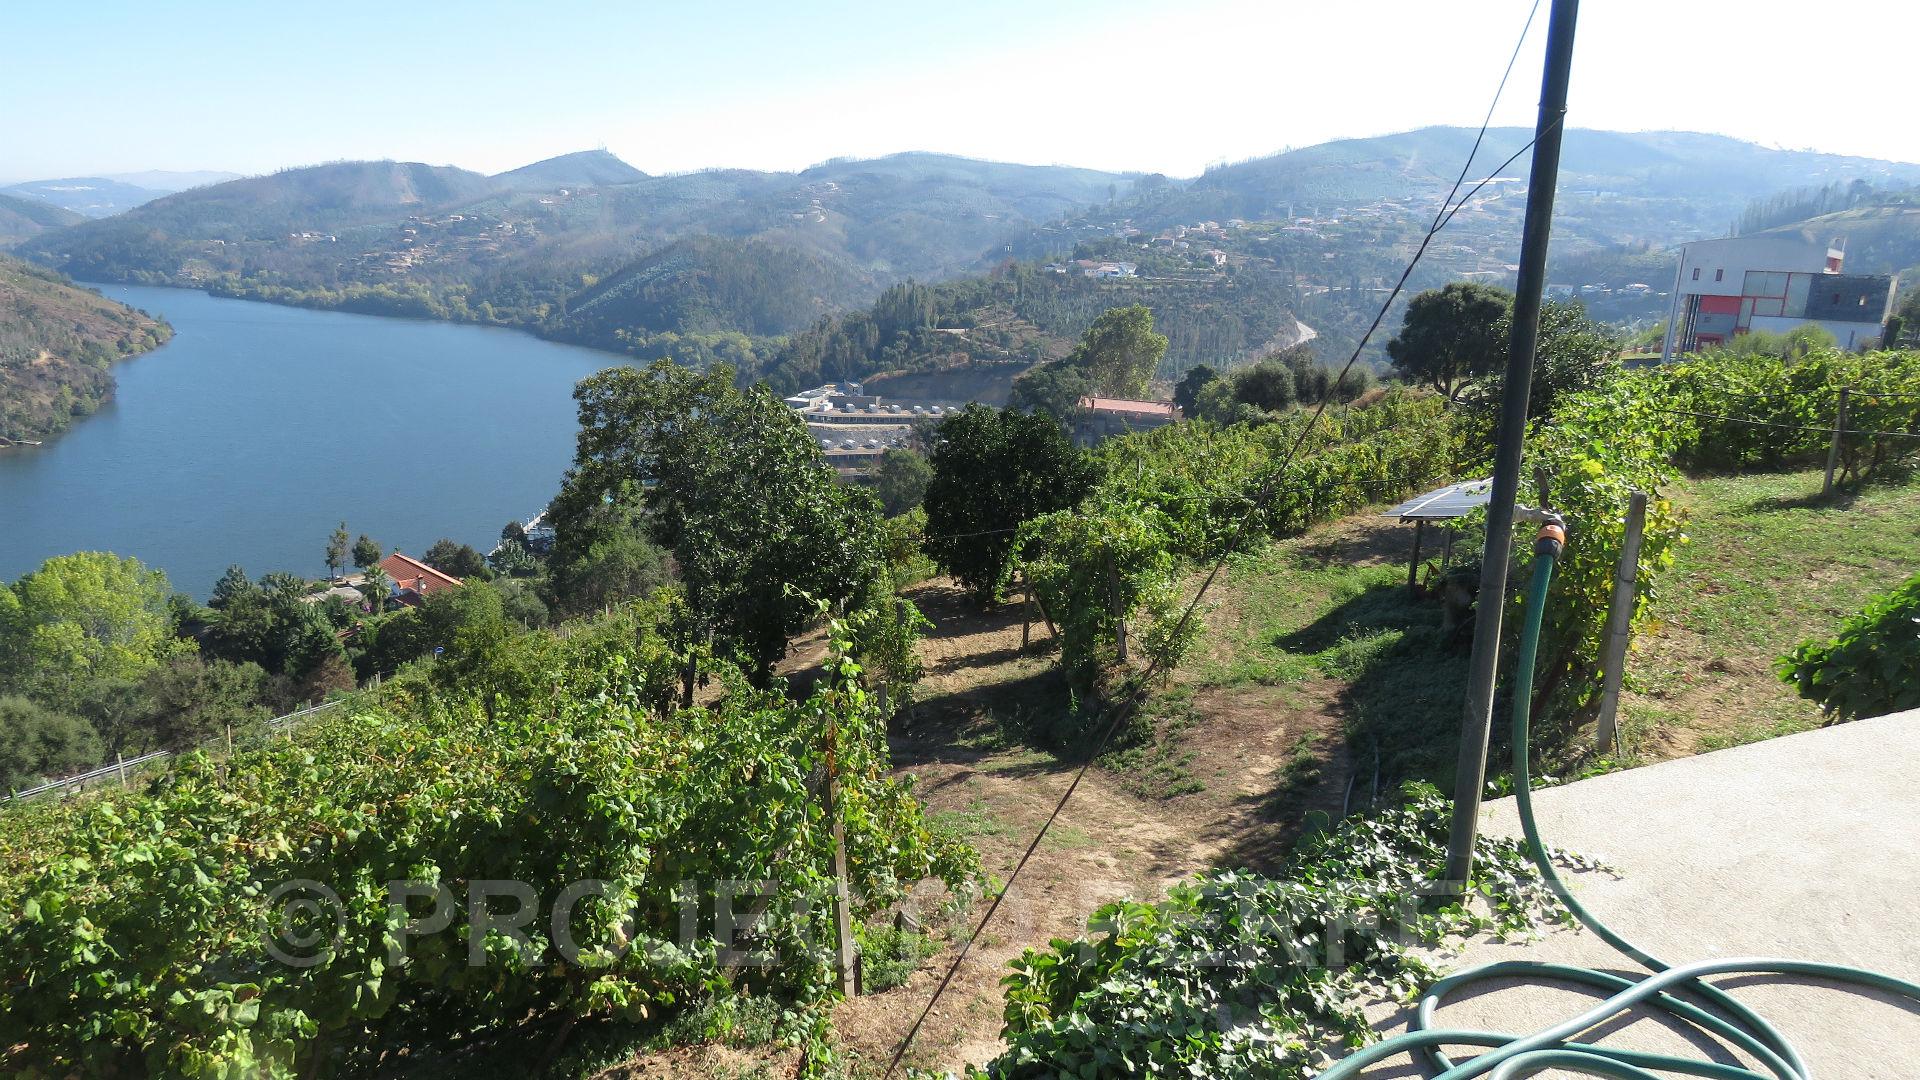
112,86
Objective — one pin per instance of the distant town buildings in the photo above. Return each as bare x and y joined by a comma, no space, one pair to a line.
1775,283
854,428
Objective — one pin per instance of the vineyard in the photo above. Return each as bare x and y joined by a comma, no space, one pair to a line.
239,917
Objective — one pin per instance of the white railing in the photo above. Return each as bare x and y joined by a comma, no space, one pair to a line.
71,784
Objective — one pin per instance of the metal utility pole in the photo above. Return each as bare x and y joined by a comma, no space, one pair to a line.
1471,769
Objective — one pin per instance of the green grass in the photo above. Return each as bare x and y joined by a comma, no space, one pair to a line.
976,822
1154,761
1768,564
1276,592
1296,616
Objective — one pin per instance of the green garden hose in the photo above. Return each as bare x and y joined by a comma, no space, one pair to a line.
1719,1014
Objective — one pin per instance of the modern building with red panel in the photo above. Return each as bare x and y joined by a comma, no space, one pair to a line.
1773,282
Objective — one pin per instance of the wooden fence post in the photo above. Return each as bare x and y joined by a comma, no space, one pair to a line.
120,764
1113,606
1613,657
1833,448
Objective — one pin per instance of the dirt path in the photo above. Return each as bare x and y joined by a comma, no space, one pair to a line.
1110,843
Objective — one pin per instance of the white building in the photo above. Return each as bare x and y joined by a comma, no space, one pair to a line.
1774,282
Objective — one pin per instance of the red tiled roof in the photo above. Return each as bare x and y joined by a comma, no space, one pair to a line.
1129,406
412,574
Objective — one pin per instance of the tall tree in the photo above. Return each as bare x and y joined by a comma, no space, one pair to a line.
233,587
1120,351
1053,389
994,469
460,560
337,550
1187,394
80,618
1573,353
376,586
196,700
365,552
735,488
901,480
1452,335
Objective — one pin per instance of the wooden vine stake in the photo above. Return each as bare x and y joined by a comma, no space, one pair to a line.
845,961
1026,610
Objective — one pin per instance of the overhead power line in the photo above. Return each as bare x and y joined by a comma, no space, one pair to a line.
1137,685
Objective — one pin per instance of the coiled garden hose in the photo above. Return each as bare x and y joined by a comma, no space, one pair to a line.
1719,1014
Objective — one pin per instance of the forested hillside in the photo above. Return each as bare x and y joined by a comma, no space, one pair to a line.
1021,313
22,217
57,343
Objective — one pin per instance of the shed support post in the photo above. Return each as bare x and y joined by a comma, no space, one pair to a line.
1413,564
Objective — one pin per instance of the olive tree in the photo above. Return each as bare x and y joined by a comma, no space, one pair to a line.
759,525
993,471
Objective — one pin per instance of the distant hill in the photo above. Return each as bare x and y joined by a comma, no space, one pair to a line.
22,217
170,181
57,343
1716,175
92,196
1882,237
709,284
588,168
744,266
635,256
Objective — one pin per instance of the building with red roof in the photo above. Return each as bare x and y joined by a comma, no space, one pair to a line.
1103,417
413,580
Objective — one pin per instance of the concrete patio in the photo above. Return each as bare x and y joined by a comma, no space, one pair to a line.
1804,847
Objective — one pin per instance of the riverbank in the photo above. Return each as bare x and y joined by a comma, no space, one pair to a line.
58,344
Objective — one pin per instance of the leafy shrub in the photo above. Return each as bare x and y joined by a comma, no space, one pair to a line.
1093,567
1600,447
889,955
37,743
1202,477
1240,975
1872,666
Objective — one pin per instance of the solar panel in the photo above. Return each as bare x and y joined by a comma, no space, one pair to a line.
1445,504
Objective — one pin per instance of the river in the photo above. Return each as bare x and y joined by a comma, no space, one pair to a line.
258,428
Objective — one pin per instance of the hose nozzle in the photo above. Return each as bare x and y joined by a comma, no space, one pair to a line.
1550,540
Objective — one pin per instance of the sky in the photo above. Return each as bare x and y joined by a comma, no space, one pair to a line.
109,86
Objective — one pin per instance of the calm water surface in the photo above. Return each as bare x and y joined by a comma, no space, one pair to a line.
255,430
